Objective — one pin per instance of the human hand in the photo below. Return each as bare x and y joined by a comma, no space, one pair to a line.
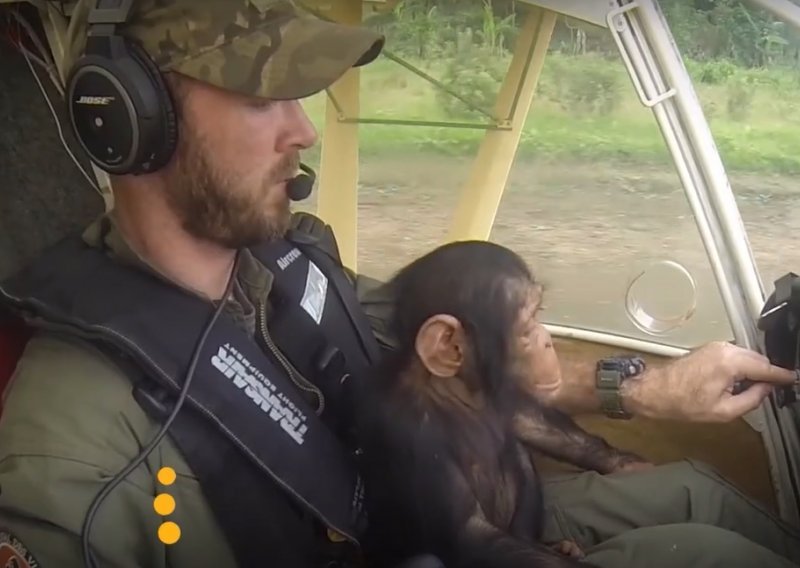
699,386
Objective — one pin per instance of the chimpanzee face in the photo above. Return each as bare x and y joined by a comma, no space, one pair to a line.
447,351
533,356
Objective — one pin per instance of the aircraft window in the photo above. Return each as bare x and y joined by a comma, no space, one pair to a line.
594,204
592,201
410,175
745,74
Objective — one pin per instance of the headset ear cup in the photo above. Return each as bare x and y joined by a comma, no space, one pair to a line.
168,136
121,109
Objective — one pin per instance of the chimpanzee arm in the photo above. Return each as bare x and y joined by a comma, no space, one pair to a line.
483,545
554,433
419,501
479,544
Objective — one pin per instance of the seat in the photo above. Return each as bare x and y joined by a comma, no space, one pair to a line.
43,196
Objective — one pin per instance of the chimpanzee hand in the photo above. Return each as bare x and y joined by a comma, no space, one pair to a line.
568,548
698,387
633,466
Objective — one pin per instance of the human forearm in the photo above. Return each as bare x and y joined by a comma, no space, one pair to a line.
573,393
694,388
576,392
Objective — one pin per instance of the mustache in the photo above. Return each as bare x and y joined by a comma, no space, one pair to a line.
287,167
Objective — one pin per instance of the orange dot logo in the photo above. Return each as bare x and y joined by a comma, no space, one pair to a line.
166,476
164,505
169,533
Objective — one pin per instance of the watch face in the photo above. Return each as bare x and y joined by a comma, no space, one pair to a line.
608,377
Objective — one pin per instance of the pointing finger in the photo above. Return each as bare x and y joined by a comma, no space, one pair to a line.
756,367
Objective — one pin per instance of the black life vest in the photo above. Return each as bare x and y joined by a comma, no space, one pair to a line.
270,458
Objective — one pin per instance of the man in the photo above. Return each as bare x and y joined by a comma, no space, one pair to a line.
78,412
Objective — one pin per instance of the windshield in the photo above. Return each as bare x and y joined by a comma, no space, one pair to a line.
745,64
592,202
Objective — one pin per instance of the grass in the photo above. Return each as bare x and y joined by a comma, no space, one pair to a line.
586,108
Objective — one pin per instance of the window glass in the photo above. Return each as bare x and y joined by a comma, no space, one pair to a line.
746,69
411,174
592,201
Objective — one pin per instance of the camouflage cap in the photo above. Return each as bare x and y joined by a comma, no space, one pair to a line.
266,48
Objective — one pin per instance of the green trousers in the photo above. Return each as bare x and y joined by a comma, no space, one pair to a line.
681,515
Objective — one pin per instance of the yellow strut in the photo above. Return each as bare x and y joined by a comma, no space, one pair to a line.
480,197
337,200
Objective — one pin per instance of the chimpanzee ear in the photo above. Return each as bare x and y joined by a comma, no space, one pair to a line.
440,345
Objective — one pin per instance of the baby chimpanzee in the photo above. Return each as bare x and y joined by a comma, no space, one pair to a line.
446,429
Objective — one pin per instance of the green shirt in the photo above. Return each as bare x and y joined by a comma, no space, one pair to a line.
70,423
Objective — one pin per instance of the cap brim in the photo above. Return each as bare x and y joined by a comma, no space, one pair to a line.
294,60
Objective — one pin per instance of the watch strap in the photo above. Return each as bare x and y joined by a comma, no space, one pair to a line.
609,376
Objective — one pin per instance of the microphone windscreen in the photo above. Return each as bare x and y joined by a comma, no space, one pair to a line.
300,186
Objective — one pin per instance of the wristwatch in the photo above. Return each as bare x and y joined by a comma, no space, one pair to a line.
609,376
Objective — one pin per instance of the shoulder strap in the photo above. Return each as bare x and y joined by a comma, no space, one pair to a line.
307,237
263,515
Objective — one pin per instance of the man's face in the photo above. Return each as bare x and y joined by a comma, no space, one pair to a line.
228,181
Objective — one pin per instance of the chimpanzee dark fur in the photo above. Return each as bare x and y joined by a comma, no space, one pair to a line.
449,480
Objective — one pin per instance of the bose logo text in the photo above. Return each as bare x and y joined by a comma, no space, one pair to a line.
100,101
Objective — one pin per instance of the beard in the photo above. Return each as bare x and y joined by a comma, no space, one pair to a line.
219,207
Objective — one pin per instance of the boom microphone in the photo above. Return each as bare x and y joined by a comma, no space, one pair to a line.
300,186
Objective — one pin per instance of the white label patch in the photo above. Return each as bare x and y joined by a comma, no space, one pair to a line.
316,291
261,391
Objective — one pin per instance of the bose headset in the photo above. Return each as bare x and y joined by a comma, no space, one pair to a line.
120,107
123,115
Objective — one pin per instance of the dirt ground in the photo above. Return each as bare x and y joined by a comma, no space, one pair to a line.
587,229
